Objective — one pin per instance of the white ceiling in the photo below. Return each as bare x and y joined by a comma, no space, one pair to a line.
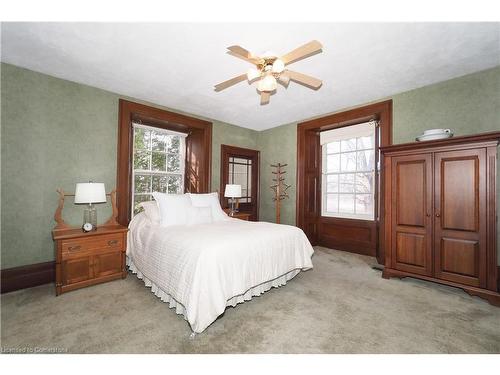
176,65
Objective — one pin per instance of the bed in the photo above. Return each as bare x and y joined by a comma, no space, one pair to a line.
201,269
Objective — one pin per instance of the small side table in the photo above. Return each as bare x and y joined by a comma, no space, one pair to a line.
84,259
239,215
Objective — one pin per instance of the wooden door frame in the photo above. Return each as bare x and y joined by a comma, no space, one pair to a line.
309,164
226,152
198,143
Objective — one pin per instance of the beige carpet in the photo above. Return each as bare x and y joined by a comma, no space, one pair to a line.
341,306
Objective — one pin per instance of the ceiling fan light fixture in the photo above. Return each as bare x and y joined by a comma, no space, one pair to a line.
252,74
278,66
269,69
268,83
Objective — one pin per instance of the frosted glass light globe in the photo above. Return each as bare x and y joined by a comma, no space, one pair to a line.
278,66
268,83
252,74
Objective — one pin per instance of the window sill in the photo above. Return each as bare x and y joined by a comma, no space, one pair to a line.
348,217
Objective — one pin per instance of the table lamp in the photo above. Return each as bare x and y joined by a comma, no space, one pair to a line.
89,193
233,192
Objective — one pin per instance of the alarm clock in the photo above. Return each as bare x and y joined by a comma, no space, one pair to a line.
87,227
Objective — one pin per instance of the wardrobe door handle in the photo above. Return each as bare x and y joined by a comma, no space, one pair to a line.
428,214
74,248
438,214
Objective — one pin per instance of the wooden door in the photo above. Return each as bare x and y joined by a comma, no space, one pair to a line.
460,216
411,208
76,270
240,166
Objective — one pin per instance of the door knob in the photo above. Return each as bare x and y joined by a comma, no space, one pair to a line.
438,214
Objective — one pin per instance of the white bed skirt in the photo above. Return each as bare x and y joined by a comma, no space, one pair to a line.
247,296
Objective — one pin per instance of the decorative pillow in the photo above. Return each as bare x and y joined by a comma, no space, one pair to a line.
209,200
199,215
173,208
151,211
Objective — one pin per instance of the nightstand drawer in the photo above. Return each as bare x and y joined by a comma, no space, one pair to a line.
81,245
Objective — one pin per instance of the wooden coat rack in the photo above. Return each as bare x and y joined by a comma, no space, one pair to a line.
279,188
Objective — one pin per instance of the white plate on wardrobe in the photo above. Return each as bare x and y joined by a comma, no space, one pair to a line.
433,137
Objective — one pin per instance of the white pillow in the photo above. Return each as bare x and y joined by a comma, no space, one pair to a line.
199,215
151,211
209,200
173,208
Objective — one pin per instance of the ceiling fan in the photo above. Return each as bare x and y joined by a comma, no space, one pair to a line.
269,70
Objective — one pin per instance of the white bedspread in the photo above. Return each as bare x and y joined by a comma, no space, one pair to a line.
201,269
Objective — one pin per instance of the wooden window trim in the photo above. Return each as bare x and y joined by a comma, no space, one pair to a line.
309,163
198,149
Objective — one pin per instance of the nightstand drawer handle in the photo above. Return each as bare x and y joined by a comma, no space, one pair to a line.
73,248
112,242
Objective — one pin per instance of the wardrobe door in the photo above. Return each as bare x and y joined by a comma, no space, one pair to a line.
411,219
460,216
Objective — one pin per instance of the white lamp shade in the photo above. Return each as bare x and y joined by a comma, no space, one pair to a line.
90,192
232,191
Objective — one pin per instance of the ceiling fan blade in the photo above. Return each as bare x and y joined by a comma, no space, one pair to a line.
302,52
230,82
242,53
284,79
264,97
304,79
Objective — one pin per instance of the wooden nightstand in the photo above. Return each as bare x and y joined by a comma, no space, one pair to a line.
239,215
84,259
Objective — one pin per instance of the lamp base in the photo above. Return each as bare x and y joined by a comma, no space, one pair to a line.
232,210
90,216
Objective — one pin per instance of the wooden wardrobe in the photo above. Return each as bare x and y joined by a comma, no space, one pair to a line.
439,212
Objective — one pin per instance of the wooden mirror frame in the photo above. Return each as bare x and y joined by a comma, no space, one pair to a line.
62,225
198,149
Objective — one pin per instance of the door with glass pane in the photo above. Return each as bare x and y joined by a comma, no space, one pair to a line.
240,166
158,163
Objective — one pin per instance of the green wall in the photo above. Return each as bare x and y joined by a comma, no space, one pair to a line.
278,145
56,133
467,105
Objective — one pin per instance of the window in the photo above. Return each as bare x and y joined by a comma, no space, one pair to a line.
240,173
158,163
348,175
